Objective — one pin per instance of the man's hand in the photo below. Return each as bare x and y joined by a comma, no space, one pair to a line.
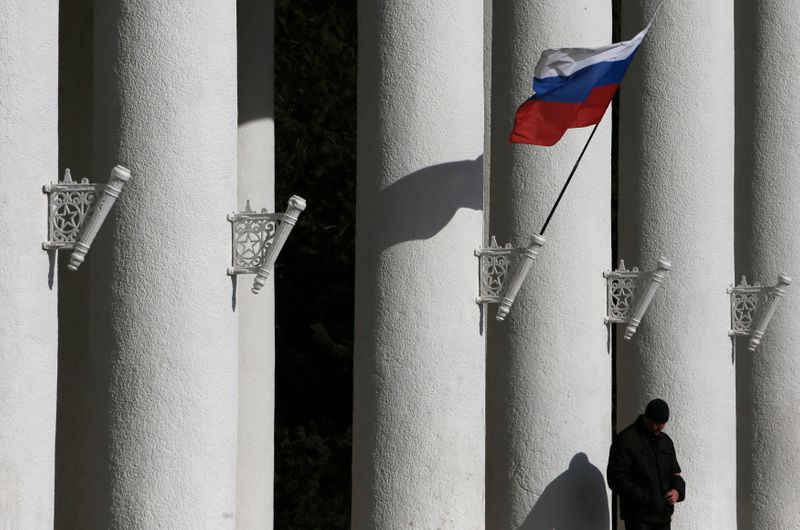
672,496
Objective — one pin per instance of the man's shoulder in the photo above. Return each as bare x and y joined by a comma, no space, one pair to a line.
628,434
634,429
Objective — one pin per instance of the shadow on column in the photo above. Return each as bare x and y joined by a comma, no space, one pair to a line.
76,493
422,203
575,500
255,42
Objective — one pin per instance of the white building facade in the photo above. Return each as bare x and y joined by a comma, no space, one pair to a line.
153,405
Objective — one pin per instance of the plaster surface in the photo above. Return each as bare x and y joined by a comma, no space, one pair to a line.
418,425
769,463
256,155
676,200
28,296
549,365
164,328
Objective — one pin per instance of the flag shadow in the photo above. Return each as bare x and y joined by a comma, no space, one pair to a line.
421,204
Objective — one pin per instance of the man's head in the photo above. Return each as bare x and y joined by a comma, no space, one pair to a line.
656,415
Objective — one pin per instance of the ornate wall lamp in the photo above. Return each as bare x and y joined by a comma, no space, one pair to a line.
630,292
753,306
258,237
76,211
502,271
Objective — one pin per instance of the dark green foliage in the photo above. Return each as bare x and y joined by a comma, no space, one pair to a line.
314,478
315,122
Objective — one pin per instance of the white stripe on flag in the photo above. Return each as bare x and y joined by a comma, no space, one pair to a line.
563,62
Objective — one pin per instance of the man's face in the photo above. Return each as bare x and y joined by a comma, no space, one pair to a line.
654,427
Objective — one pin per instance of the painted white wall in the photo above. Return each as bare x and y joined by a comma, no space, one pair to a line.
164,329
256,141
28,299
549,366
676,200
767,199
418,425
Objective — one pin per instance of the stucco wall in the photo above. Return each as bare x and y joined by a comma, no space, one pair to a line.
418,425
549,365
164,328
769,464
28,300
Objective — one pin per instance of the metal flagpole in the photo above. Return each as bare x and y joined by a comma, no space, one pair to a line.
515,280
574,168
544,227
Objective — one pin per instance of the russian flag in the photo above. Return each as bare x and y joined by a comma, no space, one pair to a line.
572,87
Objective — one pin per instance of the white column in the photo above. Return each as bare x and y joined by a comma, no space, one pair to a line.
418,425
770,398
164,328
549,366
28,319
255,463
676,200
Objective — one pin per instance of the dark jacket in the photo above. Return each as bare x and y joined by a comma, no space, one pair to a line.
642,467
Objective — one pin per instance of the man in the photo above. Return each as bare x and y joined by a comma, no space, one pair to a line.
644,472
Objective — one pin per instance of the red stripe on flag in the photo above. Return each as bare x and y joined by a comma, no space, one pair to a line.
542,122
594,108
545,122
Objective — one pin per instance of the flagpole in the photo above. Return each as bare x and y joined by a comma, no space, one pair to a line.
574,168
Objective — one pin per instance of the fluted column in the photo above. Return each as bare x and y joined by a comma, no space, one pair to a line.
769,398
164,327
418,426
676,200
28,301
549,366
255,458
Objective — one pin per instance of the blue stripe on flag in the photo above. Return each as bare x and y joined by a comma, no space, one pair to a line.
576,88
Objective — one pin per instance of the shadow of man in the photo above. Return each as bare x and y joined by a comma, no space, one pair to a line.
576,500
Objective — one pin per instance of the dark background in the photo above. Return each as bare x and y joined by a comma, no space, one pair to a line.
315,156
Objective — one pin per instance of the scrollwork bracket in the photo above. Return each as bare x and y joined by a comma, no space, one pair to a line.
753,306
630,292
258,237
502,271
76,211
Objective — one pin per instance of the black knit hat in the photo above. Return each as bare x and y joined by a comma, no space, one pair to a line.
657,410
